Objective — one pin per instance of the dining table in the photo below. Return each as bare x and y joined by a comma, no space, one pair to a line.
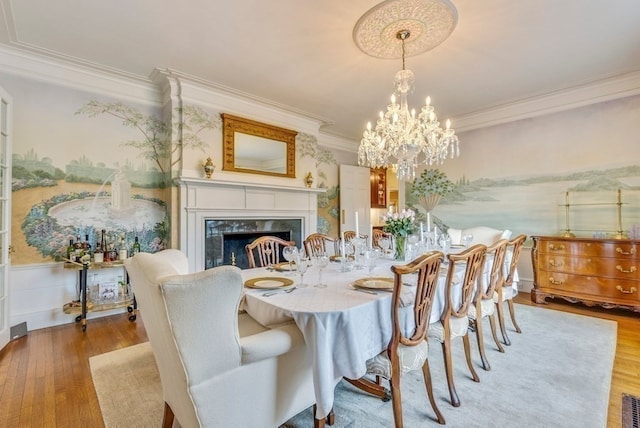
343,324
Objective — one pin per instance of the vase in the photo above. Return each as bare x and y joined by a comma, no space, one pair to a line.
401,245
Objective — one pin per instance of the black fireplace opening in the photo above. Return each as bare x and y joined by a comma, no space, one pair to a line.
224,238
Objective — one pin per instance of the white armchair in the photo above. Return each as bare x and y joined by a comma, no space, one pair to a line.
217,367
481,235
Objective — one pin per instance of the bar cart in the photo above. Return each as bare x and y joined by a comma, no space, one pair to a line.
83,306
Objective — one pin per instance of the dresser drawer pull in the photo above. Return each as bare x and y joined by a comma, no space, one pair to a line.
622,290
632,269
556,281
553,247
558,263
626,253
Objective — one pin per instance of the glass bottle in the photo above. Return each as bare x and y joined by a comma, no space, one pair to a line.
71,254
78,248
122,249
136,246
98,255
87,245
103,244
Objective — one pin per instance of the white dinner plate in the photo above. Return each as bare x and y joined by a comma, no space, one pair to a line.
285,267
268,282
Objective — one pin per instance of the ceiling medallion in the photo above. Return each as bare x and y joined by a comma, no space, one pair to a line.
430,22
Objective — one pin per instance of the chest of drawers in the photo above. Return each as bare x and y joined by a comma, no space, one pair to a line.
602,272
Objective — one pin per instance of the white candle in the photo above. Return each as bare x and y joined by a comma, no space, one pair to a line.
343,251
357,226
421,232
428,222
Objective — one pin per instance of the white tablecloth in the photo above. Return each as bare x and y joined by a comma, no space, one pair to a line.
342,327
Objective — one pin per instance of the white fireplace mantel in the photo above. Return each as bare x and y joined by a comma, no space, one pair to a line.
205,199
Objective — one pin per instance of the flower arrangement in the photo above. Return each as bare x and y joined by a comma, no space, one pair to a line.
430,187
400,224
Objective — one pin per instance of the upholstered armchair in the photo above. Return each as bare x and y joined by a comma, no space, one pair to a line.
481,235
218,367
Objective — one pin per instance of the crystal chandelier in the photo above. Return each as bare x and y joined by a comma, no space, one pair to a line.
401,138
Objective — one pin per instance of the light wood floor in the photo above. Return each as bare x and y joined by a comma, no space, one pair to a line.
45,379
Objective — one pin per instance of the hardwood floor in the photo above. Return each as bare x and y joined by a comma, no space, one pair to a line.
45,379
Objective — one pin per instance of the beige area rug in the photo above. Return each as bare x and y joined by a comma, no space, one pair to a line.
557,373
128,387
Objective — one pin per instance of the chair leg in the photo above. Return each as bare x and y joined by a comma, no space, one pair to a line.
467,354
503,330
513,315
427,383
396,400
492,322
448,368
320,423
480,337
167,417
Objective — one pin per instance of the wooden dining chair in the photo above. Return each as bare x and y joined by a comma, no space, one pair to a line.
268,248
407,353
484,305
318,243
460,290
506,293
377,234
350,234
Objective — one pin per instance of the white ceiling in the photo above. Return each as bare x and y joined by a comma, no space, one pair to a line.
301,53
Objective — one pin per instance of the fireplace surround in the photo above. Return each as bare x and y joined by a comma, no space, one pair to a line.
251,207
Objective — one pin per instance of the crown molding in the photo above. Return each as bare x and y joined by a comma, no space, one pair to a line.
337,142
77,74
607,89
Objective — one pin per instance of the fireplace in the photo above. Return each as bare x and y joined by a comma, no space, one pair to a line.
225,239
212,211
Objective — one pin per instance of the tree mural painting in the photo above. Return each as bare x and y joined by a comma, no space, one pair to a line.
156,145
307,145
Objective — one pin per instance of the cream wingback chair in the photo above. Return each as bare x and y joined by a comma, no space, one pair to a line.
218,368
481,235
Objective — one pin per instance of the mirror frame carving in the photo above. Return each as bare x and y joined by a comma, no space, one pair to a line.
232,124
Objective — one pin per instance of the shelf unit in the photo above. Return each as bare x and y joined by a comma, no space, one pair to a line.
587,207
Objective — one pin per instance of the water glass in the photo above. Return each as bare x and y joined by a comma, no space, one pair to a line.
302,265
290,253
321,260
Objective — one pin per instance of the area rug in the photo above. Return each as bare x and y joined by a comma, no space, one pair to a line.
557,373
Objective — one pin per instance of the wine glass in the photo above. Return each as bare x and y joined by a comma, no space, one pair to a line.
385,244
321,260
290,253
370,257
467,240
302,264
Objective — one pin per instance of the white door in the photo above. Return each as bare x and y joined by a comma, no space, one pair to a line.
355,197
5,213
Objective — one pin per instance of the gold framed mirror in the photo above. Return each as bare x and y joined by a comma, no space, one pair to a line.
257,148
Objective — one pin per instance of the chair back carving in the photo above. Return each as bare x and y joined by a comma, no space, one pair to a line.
377,234
268,249
427,267
514,247
317,243
473,261
496,276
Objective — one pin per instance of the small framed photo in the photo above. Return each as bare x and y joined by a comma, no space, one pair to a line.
108,290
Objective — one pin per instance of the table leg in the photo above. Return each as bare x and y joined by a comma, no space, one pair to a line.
371,387
320,423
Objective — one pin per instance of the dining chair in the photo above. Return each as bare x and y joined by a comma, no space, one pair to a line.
506,293
484,305
319,243
406,353
460,290
268,248
350,234
377,234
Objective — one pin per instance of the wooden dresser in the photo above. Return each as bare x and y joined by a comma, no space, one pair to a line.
602,272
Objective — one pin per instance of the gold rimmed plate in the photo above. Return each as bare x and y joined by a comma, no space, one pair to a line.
268,282
374,283
285,267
